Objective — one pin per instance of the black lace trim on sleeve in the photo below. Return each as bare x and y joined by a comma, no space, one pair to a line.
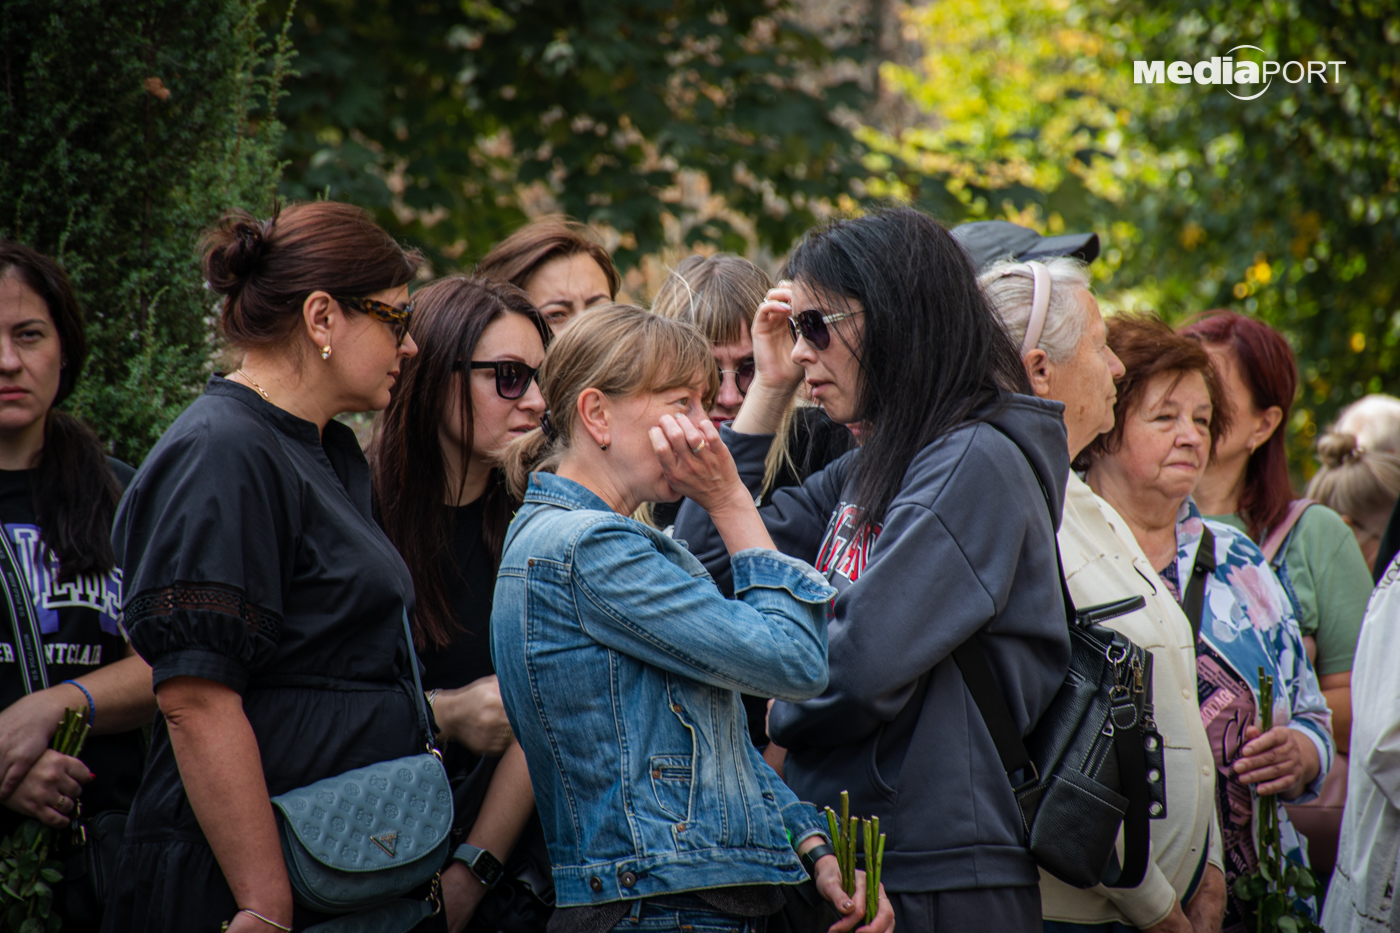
209,597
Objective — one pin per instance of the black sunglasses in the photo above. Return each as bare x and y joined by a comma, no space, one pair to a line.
397,318
512,376
812,326
743,376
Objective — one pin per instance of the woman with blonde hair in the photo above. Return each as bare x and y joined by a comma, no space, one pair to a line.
720,295
620,662
1359,484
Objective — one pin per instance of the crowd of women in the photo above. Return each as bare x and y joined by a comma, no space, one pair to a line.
616,599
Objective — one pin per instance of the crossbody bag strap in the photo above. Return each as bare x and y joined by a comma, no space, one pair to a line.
421,700
29,642
1274,543
1193,601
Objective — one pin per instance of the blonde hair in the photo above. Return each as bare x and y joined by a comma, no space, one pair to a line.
620,350
720,295
1360,484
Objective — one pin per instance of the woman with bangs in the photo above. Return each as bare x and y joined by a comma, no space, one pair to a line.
443,502
621,663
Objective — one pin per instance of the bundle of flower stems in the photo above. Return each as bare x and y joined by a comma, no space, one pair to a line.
26,871
846,831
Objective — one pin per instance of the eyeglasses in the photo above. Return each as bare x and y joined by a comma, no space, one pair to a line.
743,376
512,376
397,318
812,326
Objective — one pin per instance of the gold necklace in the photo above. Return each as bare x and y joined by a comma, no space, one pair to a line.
255,385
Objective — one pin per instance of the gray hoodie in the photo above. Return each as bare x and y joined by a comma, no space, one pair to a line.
967,546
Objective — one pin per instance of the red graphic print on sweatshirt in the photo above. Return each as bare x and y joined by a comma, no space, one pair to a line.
845,550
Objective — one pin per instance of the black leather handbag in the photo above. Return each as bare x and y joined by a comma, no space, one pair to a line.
1094,762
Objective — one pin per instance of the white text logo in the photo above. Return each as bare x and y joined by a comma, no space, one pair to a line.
1225,70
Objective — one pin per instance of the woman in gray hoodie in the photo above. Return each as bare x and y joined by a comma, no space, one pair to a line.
939,529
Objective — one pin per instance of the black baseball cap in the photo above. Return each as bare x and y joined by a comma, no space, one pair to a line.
986,241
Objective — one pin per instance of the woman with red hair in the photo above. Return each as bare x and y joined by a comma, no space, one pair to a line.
1309,546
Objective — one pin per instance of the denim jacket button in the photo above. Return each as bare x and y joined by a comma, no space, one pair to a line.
530,562
627,880
675,707
595,883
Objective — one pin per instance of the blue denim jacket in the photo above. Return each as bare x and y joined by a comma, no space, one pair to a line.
620,664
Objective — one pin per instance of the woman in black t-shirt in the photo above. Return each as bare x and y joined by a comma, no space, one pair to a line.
444,504
58,493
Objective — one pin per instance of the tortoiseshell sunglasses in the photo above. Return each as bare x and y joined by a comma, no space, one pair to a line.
397,318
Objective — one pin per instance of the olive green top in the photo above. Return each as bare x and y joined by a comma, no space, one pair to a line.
1331,581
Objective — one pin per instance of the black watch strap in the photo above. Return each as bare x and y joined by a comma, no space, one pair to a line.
487,868
809,858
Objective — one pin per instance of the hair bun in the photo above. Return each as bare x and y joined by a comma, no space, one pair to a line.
233,251
1337,448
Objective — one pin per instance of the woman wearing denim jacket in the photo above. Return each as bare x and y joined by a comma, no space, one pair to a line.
621,664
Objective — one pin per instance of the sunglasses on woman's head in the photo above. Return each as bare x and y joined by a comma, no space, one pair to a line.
397,318
743,376
812,326
512,376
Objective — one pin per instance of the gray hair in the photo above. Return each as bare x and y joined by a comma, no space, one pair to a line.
1009,289
1375,421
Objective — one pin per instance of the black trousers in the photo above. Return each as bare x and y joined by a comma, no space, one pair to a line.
968,910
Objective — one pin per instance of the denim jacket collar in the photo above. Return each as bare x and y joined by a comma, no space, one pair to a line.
551,489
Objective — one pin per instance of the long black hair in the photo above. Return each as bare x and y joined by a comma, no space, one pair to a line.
74,493
409,466
931,351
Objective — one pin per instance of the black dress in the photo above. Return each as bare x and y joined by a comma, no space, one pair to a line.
470,581
252,559
521,900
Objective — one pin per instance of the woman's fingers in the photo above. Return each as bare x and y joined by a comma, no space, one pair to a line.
884,916
856,912
1258,744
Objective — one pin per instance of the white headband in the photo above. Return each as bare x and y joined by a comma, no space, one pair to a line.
1040,301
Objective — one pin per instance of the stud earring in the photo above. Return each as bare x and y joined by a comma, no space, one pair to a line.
326,352
602,446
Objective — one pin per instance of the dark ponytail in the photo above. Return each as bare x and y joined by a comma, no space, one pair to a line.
74,493
75,497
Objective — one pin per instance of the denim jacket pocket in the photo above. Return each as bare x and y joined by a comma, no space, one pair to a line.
672,778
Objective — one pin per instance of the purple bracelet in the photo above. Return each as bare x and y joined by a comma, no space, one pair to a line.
92,706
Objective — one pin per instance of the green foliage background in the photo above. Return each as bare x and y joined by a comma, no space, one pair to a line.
125,133
733,125
1286,207
450,118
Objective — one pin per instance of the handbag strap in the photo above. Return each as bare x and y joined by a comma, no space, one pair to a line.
996,715
29,642
1011,748
1273,544
422,701
1193,601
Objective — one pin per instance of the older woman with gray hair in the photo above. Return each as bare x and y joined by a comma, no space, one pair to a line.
1050,312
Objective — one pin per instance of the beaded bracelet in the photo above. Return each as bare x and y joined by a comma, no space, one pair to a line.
92,705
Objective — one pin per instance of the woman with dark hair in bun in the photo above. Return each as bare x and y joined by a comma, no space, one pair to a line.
58,493
262,592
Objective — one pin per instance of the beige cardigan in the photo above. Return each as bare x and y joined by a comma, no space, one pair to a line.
1103,563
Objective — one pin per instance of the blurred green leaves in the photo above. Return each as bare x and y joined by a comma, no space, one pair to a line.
1287,206
455,120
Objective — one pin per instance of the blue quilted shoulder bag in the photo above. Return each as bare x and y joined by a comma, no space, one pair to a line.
358,842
